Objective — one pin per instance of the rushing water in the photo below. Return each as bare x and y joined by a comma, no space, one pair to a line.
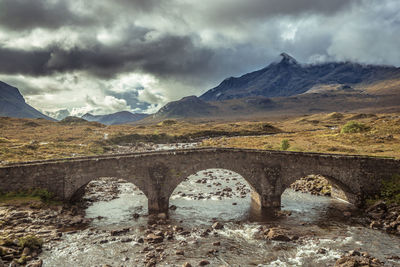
320,222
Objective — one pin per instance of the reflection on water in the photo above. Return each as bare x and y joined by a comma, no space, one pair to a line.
224,196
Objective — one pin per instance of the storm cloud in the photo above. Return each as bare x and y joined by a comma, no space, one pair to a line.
24,15
140,54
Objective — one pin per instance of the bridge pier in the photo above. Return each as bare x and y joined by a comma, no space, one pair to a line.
266,201
158,205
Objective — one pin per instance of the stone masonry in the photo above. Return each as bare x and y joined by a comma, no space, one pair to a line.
157,174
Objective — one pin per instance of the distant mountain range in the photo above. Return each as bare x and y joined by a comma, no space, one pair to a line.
288,87
288,78
115,118
284,87
12,104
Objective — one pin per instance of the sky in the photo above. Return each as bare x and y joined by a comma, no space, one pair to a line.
104,56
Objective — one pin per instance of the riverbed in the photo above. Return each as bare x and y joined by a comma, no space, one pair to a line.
319,229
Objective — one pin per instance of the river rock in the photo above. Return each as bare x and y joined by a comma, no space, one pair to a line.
26,251
376,225
37,263
119,232
180,252
383,216
186,264
380,205
204,262
205,233
314,184
151,263
355,258
217,226
277,234
152,238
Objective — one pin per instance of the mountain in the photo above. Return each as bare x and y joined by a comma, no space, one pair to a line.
289,88
115,118
190,106
59,114
288,78
12,104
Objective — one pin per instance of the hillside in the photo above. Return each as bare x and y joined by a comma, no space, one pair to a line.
115,118
12,104
324,98
190,106
20,140
288,78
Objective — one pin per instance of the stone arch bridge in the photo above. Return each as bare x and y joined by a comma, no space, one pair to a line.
158,173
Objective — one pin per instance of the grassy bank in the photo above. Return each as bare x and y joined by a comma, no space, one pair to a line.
37,139
33,197
365,134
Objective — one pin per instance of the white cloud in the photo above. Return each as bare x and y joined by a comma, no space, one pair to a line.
97,105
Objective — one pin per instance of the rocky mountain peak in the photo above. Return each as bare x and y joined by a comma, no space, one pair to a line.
286,58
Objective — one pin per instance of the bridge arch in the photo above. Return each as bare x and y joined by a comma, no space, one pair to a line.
246,176
80,192
346,191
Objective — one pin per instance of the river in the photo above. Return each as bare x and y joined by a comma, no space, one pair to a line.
326,229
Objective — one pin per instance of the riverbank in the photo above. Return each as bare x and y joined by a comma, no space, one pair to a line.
26,226
379,214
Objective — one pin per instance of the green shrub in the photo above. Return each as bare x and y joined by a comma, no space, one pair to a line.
390,191
33,145
30,241
354,127
22,260
7,241
43,194
285,144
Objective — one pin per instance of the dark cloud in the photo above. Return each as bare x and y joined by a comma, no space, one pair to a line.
186,46
168,55
17,61
141,5
29,14
24,15
262,8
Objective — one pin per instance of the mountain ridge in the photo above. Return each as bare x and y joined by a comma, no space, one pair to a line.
120,117
12,104
288,78
189,106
